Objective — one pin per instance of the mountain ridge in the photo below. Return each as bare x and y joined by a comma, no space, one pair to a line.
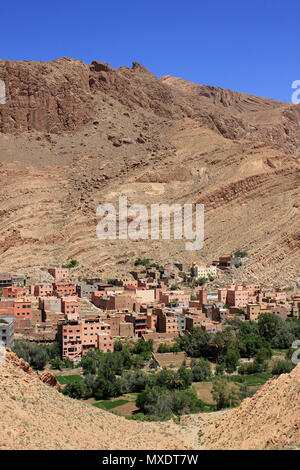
74,135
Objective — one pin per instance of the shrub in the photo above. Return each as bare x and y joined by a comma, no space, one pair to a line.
231,359
74,390
224,393
281,366
201,371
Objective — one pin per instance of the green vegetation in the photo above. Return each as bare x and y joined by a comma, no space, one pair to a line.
160,403
168,348
241,254
111,281
147,263
200,282
225,393
248,340
74,390
37,355
69,379
281,366
256,379
109,404
72,264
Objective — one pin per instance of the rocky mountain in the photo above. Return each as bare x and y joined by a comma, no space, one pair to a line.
73,136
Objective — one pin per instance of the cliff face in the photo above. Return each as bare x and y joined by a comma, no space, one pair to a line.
45,96
73,136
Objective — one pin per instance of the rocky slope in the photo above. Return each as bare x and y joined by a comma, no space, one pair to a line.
268,420
34,415
73,136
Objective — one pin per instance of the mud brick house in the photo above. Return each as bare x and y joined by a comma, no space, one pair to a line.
7,328
167,322
118,326
237,296
52,304
252,311
202,296
20,308
127,282
211,327
59,273
63,289
117,302
227,261
175,297
85,290
194,320
22,313
14,292
96,296
42,290
70,305
8,280
204,270
212,311
78,336
142,294
139,323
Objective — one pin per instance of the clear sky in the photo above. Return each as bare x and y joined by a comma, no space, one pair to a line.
250,46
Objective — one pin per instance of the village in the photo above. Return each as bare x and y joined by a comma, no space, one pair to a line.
151,303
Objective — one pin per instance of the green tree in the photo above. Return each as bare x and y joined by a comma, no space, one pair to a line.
201,371
231,360
281,366
74,390
268,325
224,393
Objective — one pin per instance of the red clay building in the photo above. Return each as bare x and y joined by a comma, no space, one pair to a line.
14,292
60,273
63,289
42,290
139,323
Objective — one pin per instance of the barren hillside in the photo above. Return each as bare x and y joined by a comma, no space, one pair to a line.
73,136
34,415
268,420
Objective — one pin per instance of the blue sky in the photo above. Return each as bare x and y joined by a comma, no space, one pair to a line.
250,46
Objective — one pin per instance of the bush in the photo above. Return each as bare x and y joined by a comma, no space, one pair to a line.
57,363
231,360
165,348
135,381
224,393
35,354
71,264
201,371
162,404
74,390
220,368
281,366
